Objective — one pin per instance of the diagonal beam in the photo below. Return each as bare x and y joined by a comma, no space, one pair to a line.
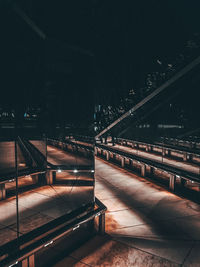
41,34
29,21
169,82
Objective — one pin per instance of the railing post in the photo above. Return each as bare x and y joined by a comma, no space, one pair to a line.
107,155
143,170
102,219
172,181
34,178
122,162
29,261
50,177
2,191
185,156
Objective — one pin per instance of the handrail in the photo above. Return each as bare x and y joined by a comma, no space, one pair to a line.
158,146
159,165
49,233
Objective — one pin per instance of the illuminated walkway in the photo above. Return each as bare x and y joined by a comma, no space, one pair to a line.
145,224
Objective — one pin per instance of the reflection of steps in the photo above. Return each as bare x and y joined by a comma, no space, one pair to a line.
28,163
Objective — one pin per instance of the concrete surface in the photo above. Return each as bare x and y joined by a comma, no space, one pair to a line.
145,224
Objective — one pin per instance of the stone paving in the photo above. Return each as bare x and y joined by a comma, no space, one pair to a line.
145,225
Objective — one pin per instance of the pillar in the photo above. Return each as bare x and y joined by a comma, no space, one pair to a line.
29,261
143,170
2,191
172,181
185,156
107,155
132,145
102,219
96,151
122,162
34,178
50,177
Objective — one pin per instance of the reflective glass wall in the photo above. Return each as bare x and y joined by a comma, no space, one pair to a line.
46,170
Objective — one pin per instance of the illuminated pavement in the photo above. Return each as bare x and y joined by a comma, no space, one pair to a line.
38,207
145,224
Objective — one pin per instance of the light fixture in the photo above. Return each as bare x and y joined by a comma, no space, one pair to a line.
46,245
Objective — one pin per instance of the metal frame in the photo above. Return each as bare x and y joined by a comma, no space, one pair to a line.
45,235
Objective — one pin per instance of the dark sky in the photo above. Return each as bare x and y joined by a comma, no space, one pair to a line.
124,37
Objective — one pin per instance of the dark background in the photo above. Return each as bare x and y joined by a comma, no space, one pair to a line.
94,51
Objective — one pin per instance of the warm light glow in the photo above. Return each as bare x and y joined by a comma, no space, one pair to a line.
59,170
75,171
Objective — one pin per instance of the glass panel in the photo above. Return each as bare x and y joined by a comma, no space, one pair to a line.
32,199
61,162
7,190
47,89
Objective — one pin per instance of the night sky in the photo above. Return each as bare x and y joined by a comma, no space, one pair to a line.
93,50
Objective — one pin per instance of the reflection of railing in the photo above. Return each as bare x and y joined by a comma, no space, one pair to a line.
27,155
146,165
39,158
73,146
23,249
35,167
